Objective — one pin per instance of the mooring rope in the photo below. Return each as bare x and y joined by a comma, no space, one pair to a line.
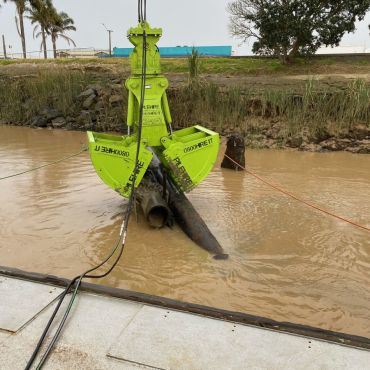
45,165
289,194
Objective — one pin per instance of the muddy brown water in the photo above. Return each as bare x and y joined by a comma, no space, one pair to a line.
287,262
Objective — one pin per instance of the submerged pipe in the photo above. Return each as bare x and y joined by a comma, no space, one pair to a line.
155,209
185,214
193,225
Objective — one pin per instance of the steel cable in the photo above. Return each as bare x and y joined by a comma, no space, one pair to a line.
45,165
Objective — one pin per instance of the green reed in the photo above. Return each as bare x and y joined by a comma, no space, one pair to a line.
313,110
24,97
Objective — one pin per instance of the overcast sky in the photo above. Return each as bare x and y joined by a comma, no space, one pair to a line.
190,22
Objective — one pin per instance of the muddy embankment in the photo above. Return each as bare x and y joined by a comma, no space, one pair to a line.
327,113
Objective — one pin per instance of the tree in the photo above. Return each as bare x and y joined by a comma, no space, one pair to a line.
60,24
285,28
21,8
40,14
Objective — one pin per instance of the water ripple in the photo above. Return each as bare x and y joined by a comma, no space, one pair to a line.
286,262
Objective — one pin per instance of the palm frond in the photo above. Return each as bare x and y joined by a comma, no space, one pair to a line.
68,39
36,30
17,26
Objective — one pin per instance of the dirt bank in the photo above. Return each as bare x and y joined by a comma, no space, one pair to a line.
328,112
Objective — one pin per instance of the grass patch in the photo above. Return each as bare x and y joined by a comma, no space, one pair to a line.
231,66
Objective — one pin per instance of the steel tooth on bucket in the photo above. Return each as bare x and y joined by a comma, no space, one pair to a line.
188,154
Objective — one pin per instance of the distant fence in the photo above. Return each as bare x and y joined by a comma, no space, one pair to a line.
183,51
61,53
169,52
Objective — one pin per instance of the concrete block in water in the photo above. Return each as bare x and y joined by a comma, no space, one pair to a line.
235,149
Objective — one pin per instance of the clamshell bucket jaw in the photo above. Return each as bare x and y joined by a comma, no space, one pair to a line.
188,154
114,158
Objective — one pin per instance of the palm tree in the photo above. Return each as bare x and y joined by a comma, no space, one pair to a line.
60,24
21,8
41,13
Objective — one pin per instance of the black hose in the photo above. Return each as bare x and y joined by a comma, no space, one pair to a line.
139,7
122,236
61,299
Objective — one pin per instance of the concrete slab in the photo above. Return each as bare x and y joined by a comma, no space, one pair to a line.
21,301
94,323
168,339
104,333
3,335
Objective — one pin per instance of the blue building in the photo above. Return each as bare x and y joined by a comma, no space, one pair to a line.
181,51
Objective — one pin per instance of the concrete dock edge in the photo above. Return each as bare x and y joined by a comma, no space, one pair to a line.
211,312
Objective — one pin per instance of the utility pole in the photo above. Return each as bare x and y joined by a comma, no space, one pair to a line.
4,47
110,42
110,39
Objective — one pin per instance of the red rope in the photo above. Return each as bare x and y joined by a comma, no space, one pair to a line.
297,198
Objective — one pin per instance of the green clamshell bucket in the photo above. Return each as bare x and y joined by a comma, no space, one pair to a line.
188,155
